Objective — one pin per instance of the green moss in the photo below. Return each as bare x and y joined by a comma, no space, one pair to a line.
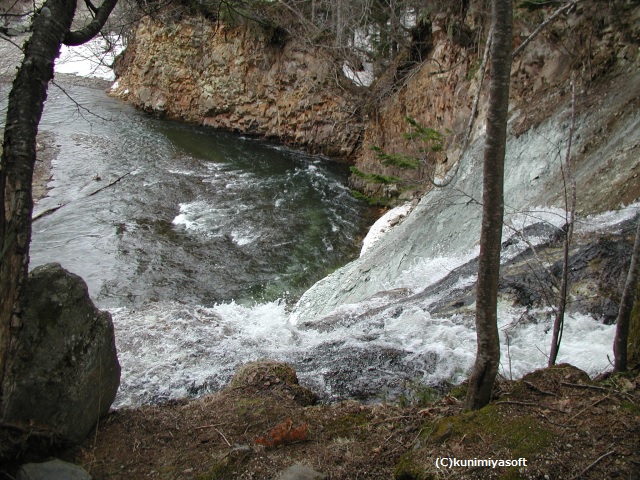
416,393
408,468
231,465
511,474
505,436
220,471
459,391
250,406
351,424
520,435
630,407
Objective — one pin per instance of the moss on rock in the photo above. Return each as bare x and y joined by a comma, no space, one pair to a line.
266,375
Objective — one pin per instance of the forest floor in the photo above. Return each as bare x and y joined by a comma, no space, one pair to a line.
564,424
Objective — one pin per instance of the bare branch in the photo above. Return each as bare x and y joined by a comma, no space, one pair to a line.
543,25
78,105
86,33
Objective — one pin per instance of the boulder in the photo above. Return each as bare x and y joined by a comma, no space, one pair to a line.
52,470
270,375
65,373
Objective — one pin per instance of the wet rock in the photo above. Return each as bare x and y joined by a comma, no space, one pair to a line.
53,470
66,371
597,271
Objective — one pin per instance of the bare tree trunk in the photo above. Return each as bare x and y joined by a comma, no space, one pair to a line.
488,350
570,209
51,27
26,102
626,305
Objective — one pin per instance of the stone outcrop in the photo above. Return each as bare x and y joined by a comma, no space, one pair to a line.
592,43
238,79
605,156
65,373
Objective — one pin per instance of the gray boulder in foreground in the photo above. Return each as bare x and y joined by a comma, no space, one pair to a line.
66,371
52,470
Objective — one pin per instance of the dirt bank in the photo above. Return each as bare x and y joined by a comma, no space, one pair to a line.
562,423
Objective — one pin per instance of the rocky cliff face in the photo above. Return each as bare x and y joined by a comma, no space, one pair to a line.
596,46
600,49
240,79
253,81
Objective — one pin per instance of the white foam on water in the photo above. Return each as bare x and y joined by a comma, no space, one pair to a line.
586,343
244,237
193,216
169,350
172,350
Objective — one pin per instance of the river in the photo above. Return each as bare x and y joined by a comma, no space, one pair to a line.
198,242
160,217
154,210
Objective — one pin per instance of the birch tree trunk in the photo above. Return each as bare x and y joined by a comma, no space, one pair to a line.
51,28
488,343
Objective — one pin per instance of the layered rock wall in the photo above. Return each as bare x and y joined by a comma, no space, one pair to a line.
592,44
240,79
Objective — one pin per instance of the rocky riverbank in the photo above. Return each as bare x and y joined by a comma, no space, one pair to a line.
240,79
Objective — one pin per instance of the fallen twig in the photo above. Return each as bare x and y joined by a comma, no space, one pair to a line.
202,427
222,435
539,390
590,406
580,385
593,464
46,212
554,423
513,402
529,404
110,184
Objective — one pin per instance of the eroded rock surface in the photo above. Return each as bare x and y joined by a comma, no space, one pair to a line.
238,79
66,371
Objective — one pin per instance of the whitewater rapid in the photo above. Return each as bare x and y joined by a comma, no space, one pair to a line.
349,337
370,350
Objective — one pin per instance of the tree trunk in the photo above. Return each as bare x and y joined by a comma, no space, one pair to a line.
26,102
51,27
570,209
626,305
488,342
